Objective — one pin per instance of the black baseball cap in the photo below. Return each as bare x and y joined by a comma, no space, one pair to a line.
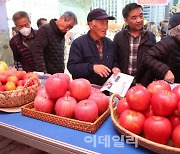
98,14
174,20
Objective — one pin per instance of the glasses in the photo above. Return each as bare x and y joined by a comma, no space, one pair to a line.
27,25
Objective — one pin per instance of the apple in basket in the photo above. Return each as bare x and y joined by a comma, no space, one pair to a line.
138,98
95,90
164,102
3,77
41,91
10,86
20,74
65,106
176,90
122,106
12,78
157,129
101,100
56,86
44,104
132,121
158,85
176,136
179,107
66,76
174,119
80,89
86,110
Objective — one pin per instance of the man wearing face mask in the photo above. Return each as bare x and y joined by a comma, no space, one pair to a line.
22,43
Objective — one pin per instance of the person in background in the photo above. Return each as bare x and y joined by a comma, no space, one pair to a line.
48,49
164,57
132,43
21,44
41,22
14,31
92,55
164,28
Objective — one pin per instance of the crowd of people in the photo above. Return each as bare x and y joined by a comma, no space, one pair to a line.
134,50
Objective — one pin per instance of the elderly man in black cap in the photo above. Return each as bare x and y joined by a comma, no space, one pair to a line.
92,55
164,57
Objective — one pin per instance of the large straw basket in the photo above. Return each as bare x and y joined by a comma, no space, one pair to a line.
15,98
28,110
155,147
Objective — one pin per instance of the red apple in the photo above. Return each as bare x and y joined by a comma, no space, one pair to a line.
95,90
65,106
179,108
67,93
158,85
157,129
20,74
2,88
86,110
80,89
56,86
176,91
174,119
148,113
122,106
20,83
132,121
41,92
101,100
25,80
164,102
66,76
176,136
3,77
138,98
44,104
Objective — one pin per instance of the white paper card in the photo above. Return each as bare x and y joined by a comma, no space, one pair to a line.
118,84
174,85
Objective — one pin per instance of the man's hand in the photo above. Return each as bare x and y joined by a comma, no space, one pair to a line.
169,77
116,70
102,70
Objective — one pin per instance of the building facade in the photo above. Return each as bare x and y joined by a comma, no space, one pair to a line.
112,7
155,13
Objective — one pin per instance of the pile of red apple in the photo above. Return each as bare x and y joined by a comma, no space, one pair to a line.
153,112
71,99
13,79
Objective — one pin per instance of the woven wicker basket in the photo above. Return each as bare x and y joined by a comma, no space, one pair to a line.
28,110
153,146
20,97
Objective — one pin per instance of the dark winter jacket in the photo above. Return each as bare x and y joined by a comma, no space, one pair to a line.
84,54
164,56
22,53
48,50
122,49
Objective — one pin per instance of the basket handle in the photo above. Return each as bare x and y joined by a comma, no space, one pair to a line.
112,103
35,78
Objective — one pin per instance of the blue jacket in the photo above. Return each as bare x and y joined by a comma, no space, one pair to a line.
84,54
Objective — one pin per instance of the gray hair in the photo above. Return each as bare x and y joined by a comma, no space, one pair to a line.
70,15
19,15
175,31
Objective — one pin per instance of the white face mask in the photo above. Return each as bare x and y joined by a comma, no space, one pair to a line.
25,31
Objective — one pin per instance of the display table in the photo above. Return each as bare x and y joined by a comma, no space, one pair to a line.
57,139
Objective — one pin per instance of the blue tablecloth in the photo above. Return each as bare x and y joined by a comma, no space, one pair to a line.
105,140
